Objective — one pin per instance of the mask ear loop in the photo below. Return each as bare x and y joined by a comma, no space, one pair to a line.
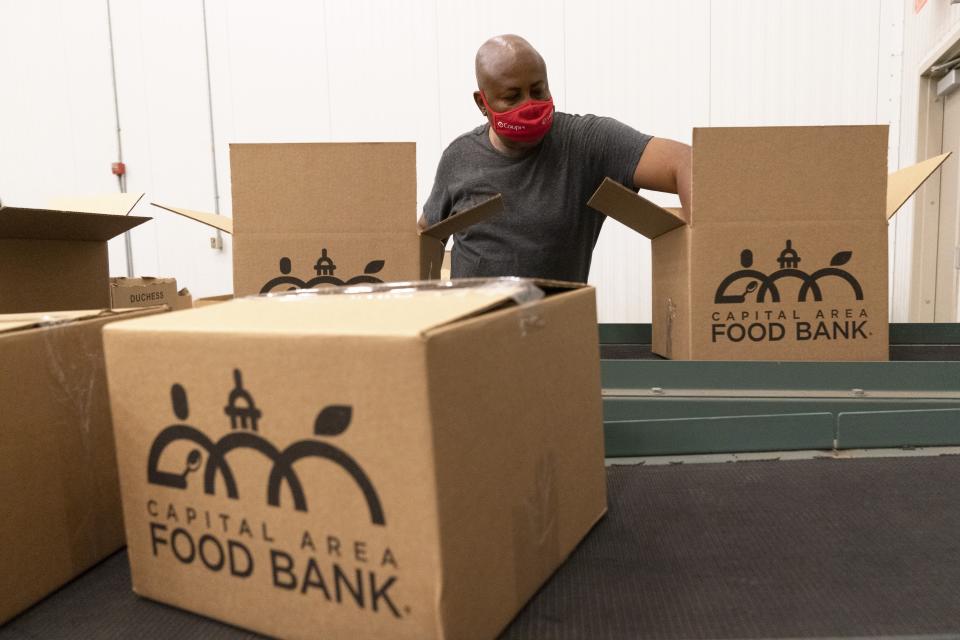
486,105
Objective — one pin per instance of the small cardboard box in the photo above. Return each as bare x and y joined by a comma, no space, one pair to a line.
59,496
147,292
308,215
55,260
356,464
784,256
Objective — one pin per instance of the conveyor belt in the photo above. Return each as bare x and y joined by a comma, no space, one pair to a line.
801,549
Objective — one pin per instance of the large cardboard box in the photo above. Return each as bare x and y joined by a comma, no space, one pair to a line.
403,463
55,260
784,256
59,497
147,292
308,215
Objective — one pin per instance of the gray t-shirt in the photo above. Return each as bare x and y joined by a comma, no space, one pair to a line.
546,229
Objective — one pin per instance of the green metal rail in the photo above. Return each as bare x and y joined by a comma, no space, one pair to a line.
660,407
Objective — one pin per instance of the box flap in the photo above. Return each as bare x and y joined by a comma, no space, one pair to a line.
116,204
47,224
292,188
458,221
903,183
624,205
398,309
777,174
224,223
10,322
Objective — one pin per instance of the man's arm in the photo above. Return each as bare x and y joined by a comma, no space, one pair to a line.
666,165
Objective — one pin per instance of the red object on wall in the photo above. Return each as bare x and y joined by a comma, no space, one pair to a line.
918,4
118,168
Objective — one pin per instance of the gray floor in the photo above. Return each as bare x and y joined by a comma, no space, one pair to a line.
808,545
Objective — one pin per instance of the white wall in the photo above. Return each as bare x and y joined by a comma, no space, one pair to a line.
57,128
648,68
380,70
164,115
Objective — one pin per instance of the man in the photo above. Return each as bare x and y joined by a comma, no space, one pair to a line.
547,165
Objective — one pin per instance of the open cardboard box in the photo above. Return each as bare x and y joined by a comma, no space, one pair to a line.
56,259
330,464
307,215
784,256
59,493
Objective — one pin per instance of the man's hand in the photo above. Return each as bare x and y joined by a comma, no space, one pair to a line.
666,165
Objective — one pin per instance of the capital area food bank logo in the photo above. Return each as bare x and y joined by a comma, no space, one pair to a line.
244,417
763,284
325,268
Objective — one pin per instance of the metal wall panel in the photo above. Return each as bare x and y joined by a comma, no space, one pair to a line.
164,111
57,127
269,75
793,63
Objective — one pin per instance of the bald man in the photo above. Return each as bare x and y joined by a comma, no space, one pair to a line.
546,164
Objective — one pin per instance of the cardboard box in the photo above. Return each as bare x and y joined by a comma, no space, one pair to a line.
784,256
360,464
148,292
313,215
203,302
446,264
55,260
58,472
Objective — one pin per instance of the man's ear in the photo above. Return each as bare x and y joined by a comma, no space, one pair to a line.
479,101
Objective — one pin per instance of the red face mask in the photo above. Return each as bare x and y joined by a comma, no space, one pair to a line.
529,122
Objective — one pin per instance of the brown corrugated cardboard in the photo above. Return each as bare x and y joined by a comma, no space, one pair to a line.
310,215
784,256
147,292
203,302
904,183
117,204
184,299
452,479
58,472
445,265
56,260
223,223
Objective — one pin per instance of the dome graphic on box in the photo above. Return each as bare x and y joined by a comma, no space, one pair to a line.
763,285
325,269
244,420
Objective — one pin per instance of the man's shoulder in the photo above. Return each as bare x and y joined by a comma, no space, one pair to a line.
574,121
599,132
461,154
467,142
